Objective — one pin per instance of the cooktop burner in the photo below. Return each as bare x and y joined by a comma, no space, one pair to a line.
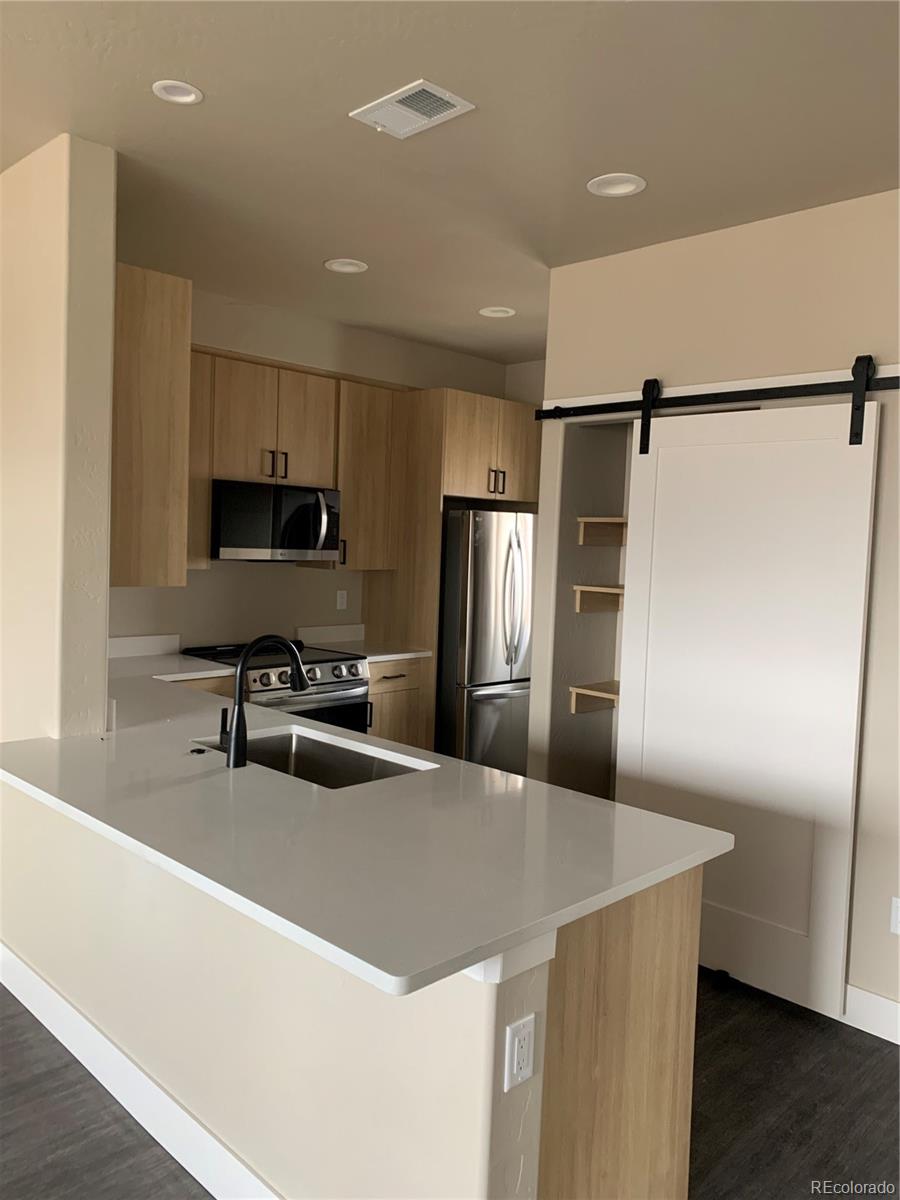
229,654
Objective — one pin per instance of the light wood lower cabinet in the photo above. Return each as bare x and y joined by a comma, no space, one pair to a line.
396,699
151,414
395,716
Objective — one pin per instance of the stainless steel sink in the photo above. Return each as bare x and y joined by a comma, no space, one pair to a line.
331,764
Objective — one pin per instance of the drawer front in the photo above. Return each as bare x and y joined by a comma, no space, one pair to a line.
395,675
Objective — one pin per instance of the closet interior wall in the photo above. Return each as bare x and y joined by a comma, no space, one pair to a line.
581,751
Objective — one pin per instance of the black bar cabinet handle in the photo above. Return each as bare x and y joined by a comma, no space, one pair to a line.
342,557
492,479
501,476
368,714
393,677
270,474
284,455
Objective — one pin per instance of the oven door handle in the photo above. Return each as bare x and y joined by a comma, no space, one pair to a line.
323,521
344,696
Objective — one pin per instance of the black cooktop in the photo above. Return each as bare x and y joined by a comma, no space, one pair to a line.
229,654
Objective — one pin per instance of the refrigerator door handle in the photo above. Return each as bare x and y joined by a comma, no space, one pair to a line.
498,693
518,587
507,602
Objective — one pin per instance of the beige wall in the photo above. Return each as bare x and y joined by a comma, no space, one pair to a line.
235,601
525,381
805,292
296,337
322,1084
57,229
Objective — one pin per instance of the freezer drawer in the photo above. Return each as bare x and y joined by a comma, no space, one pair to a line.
495,721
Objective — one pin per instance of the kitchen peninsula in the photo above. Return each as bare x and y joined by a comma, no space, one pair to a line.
323,978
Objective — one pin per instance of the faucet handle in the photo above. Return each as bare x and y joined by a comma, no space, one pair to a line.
223,728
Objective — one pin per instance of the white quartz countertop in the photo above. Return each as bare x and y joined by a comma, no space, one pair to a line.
375,651
401,881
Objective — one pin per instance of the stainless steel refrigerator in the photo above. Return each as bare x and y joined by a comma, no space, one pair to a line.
485,646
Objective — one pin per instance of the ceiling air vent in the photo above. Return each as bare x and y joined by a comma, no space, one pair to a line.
411,109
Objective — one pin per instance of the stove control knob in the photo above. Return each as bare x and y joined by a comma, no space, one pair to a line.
313,674
339,671
265,679
354,669
284,678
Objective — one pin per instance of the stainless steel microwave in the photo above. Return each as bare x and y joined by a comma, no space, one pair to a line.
266,522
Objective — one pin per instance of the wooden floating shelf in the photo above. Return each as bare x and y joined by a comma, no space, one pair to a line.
601,531
589,697
590,598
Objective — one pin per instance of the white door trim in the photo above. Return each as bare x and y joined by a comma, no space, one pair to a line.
201,1154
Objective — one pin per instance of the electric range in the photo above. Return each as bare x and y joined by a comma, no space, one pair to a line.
339,694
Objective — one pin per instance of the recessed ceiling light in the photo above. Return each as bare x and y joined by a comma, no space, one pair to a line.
176,91
496,310
620,183
346,266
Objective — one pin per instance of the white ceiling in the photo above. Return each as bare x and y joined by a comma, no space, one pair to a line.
732,111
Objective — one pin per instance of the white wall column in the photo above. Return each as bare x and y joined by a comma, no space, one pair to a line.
57,296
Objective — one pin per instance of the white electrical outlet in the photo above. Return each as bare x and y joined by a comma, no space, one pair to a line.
519,1052
895,914
341,600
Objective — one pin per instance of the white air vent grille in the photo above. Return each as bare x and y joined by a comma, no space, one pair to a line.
411,109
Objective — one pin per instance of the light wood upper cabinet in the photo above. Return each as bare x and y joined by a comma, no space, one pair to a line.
307,428
245,428
364,477
470,444
518,451
491,448
151,405
273,425
200,461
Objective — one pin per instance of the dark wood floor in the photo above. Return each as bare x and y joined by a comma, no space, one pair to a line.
62,1136
781,1097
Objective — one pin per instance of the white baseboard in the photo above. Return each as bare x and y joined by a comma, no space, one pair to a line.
185,1139
874,1014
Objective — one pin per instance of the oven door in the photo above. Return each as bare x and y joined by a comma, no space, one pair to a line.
347,709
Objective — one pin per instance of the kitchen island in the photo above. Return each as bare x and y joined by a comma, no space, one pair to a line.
323,978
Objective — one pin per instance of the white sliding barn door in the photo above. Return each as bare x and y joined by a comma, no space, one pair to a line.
742,645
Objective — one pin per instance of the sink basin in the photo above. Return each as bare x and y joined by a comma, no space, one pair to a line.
329,762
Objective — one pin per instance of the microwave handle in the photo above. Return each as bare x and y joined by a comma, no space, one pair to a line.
323,521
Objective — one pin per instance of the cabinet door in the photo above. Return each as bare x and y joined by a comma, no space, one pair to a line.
364,477
519,452
395,716
245,420
151,403
200,461
470,444
307,428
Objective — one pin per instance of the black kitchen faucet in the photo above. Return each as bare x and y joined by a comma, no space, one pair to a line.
237,734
